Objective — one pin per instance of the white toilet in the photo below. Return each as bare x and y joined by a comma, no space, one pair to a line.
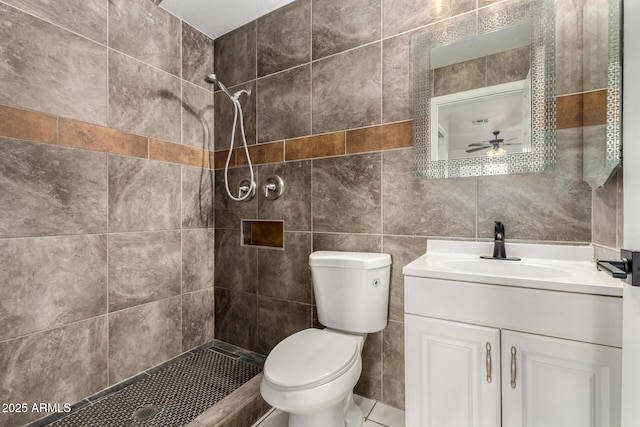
311,374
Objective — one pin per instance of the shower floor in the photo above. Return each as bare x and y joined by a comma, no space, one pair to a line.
172,395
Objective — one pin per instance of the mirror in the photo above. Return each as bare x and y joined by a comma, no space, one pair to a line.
601,79
484,93
489,112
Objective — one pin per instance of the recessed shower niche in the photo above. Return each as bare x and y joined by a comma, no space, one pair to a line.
266,234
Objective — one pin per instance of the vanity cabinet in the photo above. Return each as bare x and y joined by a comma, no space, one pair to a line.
480,355
453,374
555,382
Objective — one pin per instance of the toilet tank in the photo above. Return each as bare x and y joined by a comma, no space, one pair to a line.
351,289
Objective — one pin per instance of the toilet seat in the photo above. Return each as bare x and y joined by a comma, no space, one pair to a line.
309,359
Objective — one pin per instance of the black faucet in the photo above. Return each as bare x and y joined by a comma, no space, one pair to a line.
499,251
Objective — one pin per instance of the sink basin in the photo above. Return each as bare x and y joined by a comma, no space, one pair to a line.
519,269
565,268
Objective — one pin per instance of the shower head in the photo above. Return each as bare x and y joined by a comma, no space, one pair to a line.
211,78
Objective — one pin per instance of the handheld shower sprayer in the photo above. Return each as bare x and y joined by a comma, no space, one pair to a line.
211,78
246,192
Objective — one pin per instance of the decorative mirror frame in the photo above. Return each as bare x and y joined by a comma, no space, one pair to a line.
602,144
614,83
541,14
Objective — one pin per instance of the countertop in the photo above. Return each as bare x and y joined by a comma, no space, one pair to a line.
561,268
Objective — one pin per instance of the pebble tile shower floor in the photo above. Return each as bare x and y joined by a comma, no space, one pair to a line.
173,395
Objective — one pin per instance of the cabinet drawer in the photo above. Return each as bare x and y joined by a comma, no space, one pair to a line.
581,317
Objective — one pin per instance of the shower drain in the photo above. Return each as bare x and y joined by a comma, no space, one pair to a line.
145,413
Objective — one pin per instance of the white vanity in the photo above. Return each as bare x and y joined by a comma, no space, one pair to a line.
535,342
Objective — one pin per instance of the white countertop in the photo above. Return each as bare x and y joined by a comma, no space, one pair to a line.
562,268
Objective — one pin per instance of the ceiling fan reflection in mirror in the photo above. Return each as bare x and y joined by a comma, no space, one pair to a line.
494,145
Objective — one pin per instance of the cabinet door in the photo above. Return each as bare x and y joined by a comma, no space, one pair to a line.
549,382
452,374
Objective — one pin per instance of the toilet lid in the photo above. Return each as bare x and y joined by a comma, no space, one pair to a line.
310,358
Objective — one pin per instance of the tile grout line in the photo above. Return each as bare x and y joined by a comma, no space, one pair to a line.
107,89
381,63
108,315
311,66
108,121
382,201
181,185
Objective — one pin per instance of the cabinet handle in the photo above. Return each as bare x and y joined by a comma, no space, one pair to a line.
513,367
489,362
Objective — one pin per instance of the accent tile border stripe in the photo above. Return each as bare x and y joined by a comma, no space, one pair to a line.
176,153
576,110
384,137
373,138
326,145
97,138
272,152
38,127
24,124
581,109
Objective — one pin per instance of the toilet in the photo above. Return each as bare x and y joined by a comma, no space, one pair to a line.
310,375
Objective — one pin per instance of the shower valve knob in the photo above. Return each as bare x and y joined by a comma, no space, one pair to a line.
270,187
273,187
245,187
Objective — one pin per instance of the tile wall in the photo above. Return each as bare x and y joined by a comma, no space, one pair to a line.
106,215
330,111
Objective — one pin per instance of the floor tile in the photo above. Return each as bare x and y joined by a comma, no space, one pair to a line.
365,404
376,414
387,415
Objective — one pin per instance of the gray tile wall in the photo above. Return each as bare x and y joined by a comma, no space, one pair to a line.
51,70
106,262
358,56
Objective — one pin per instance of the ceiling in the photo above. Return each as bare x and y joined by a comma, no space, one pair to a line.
218,17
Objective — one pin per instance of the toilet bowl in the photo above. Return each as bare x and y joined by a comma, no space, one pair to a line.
311,374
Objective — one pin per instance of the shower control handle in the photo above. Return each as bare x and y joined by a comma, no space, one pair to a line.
246,187
269,187
273,187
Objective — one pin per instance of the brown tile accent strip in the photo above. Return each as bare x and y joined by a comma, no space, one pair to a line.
176,153
98,138
24,124
582,109
261,153
385,137
569,111
595,108
330,144
220,158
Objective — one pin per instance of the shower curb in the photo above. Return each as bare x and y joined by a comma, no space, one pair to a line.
242,408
